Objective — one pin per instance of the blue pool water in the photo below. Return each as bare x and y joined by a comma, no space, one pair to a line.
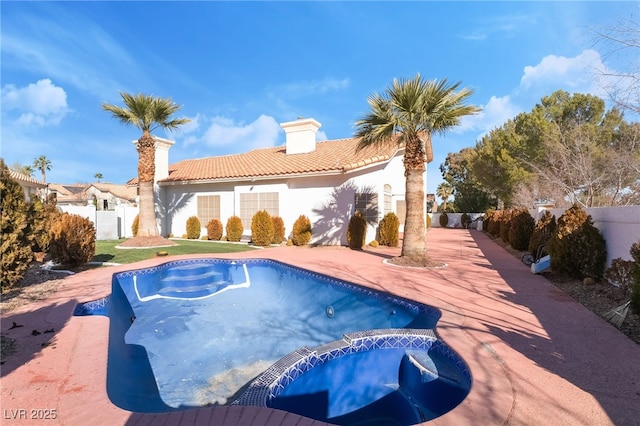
200,332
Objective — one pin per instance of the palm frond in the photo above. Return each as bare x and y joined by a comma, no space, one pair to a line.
411,108
146,112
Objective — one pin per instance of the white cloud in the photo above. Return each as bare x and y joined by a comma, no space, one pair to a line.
572,74
301,89
224,132
494,114
583,73
40,103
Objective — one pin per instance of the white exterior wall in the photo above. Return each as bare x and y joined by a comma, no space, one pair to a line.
326,200
115,223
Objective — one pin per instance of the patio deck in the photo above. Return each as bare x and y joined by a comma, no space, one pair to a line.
537,357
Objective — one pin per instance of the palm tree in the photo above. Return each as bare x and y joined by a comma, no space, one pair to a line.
98,176
444,191
409,112
43,164
147,113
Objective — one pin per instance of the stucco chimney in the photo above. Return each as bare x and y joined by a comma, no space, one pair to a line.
162,157
301,135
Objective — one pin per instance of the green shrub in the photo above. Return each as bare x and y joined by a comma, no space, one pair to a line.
491,222
214,229
356,231
15,250
443,219
620,274
577,247
261,229
521,229
388,230
278,230
135,225
635,291
193,228
542,233
39,218
465,220
234,229
505,224
73,240
301,233
374,243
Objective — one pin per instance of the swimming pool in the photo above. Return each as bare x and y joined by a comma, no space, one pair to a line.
200,332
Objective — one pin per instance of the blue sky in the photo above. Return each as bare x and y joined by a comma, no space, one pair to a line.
238,69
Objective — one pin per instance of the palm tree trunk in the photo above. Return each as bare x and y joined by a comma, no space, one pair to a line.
414,243
147,225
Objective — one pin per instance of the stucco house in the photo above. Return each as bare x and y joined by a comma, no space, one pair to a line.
105,196
32,187
326,181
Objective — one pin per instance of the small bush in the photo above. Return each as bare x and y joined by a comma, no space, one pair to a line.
278,230
193,228
73,240
289,242
214,230
388,230
542,233
261,229
234,229
443,219
301,234
521,229
577,247
428,221
374,244
465,220
635,273
620,274
491,222
39,218
204,238
135,225
15,250
356,231
505,225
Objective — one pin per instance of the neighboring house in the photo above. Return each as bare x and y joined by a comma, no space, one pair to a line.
105,196
32,187
326,181
69,194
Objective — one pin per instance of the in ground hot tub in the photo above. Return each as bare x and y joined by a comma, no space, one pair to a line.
390,377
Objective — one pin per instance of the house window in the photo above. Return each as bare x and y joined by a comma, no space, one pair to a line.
387,200
250,203
401,210
367,204
208,208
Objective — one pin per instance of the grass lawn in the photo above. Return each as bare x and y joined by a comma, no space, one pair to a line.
106,251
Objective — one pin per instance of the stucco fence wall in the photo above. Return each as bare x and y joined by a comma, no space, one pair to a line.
620,226
109,224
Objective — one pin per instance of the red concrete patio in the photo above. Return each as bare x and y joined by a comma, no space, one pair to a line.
537,357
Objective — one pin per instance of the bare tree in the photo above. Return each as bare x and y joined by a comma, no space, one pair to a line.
623,44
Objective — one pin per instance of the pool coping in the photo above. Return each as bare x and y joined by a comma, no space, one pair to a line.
534,353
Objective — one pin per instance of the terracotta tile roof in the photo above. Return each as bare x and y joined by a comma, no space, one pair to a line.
337,156
121,191
27,179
